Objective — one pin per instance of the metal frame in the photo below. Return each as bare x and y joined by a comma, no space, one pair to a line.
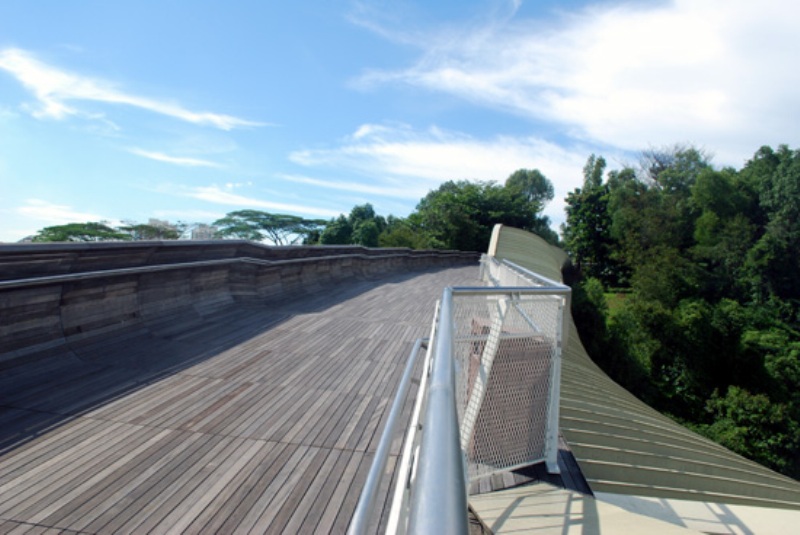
431,482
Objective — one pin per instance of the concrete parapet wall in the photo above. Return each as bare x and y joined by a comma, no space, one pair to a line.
40,259
52,295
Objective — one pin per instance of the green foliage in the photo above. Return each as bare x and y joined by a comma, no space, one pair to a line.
587,231
532,185
403,233
338,231
81,232
142,231
461,215
255,225
756,427
709,331
362,227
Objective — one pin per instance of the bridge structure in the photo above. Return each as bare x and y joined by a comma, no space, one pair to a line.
212,387
229,387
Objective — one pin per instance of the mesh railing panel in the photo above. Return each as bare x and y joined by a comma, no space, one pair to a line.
504,346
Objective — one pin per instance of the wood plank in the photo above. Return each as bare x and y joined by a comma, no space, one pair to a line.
120,508
151,504
247,497
49,504
86,508
284,506
278,488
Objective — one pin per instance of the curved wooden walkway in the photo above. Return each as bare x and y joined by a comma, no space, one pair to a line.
252,420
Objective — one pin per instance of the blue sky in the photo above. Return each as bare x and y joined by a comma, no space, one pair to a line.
187,110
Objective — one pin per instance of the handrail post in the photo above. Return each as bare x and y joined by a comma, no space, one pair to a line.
443,508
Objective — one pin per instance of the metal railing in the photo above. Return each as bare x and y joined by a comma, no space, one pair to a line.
488,398
366,504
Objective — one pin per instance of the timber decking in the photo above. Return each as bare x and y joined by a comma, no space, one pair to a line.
250,419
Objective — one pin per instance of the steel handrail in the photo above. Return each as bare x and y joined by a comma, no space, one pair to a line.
442,509
366,501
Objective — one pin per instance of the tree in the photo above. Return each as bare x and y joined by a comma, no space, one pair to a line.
141,231
255,225
753,426
366,225
366,233
593,172
724,231
587,231
338,231
533,185
406,232
362,227
461,214
80,232
776,251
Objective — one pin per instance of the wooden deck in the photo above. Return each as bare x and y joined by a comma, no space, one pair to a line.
253,419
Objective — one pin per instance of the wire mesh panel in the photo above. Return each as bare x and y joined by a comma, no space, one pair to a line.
505,345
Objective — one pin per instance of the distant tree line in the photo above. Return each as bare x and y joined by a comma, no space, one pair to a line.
687,291
103,231
458,215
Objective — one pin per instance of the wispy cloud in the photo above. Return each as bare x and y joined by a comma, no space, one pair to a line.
413,162
628,75
225,196
57,90
175,160
35,214
55,214
189,215
389,189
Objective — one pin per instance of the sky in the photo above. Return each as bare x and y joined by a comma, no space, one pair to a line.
187,110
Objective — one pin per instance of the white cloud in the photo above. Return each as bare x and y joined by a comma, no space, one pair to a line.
55,214
36,214
176,160
389,188
217,195
189,215
56,90
701,71
416,162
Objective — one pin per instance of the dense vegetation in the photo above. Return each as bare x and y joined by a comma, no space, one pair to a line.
688,291
686,278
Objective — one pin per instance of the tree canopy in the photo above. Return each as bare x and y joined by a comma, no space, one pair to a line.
461,214
256,225
362,227
81,232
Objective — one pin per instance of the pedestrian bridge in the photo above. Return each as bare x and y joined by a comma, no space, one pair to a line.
219,387
227,387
